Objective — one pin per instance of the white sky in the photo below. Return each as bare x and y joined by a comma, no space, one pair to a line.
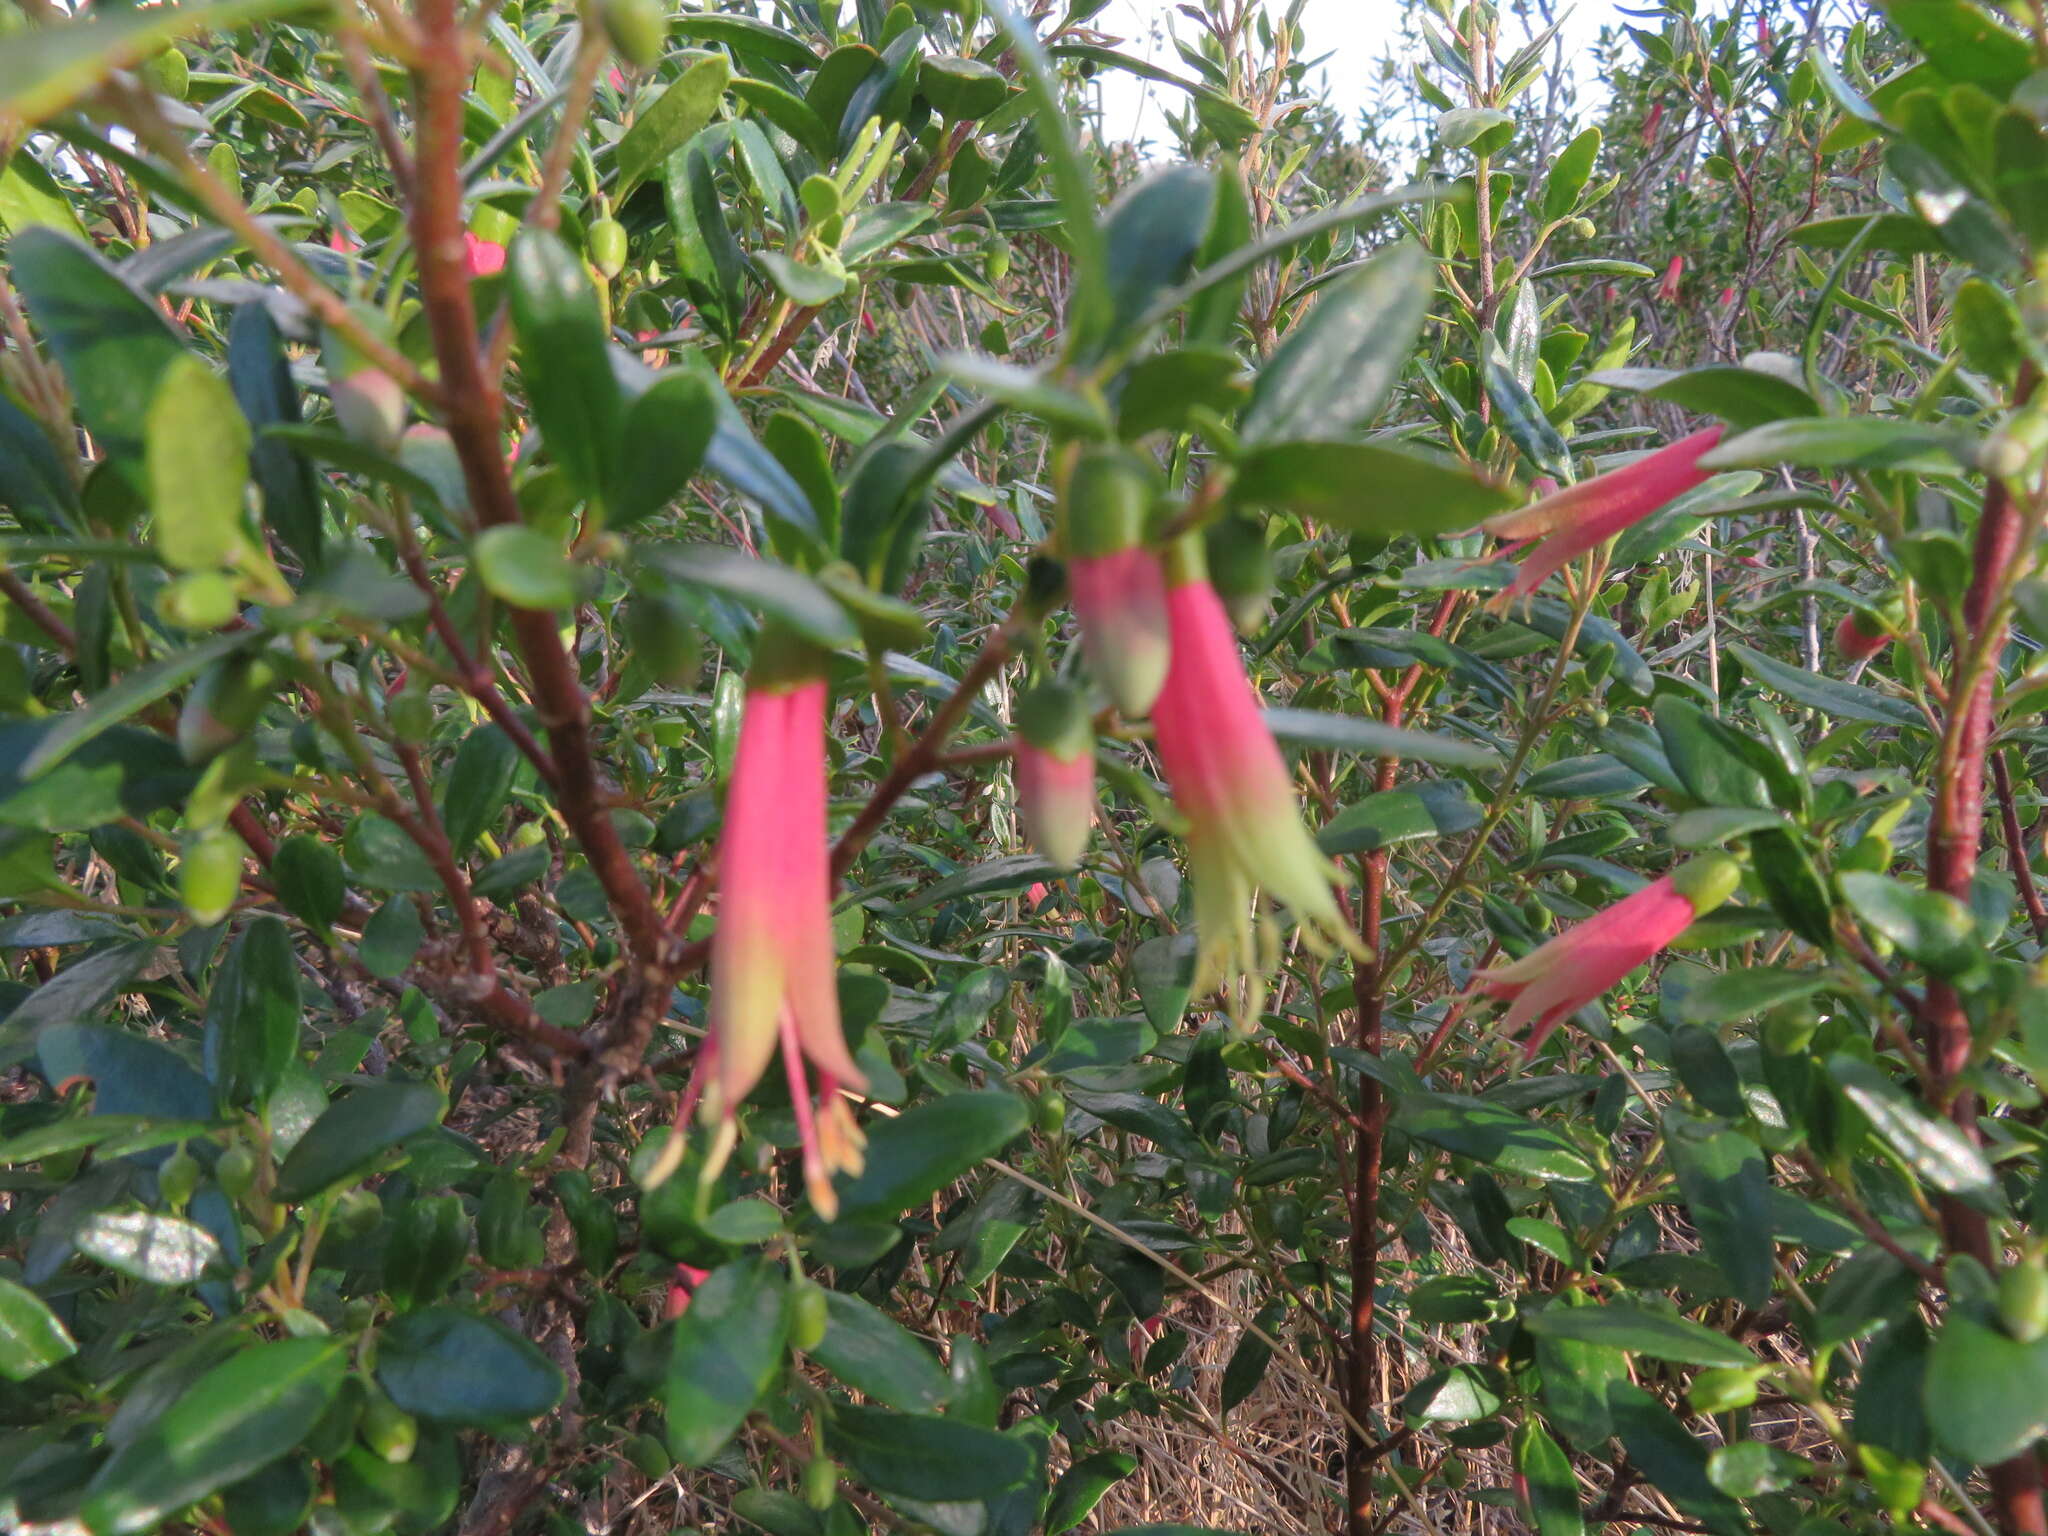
1357,33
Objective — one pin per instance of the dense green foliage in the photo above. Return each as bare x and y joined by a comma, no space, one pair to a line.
412,422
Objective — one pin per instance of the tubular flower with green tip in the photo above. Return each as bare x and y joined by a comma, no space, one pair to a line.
1116,583
1562,976
1055,770
1568,523
1245,834
773,976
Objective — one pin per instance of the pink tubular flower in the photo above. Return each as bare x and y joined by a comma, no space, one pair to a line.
1245,835
1121,602
1858,638
484,256
1054,764
1667,290
1572,969
773,977
1116,583
1582,517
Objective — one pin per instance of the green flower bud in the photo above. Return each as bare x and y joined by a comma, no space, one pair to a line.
210,875
607,247
1707,880
2023,1299
177,1178
637,30
808,1316
236,1171
388,1429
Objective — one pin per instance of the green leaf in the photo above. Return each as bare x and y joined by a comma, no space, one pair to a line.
710,260
259,372
1009,872
567,369
1986,1394
1733,996
961,89
746,34
354,1133
1846,701
1374,487
724,1352
525,567
1248,1361
112,343
1025,390
1337,366
45,69
1553,1492
1844,442
1930,927
31,1338
1744,397
1491,1134
1935,1149
1353,733
479,785
1569,173
130,696
1163,970
252,1013
924,1457
924,1149
1455,1394
1082,1486
1639,1330
876,1356
197,457
1726,1186
450,1365
79,991
164,1250
1461,127
671,120
1399,816
239,1416
30,196
1671,1457
776,590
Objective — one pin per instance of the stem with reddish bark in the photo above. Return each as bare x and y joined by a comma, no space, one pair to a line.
1954,840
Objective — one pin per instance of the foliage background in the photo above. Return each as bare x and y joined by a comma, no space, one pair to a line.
358,789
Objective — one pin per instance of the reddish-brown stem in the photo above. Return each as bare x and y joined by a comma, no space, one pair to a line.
474,410
1954,841
2016,847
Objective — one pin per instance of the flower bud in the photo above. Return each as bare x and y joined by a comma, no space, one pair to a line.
210,876
1707,881
1724,1389
1055,769
1117,585
236,1171
177,1178
1856,639
607,246
2023,1299
637,30
808,1316
370,407
388,1429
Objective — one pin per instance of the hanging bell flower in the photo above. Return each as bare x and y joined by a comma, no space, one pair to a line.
1055,768
1116,584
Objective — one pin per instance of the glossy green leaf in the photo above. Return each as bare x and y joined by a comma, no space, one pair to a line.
252,1013
1935,1149
1490,1134
31,1338
670,120
925,1148
525,567
236,1418
1553,1491
1986,1393
566,367
447,1364
723,1353
924,1457
1640,1330
875,1355
1338,364
356,1132
1373,487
